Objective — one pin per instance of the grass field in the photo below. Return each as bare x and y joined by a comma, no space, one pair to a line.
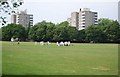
79,59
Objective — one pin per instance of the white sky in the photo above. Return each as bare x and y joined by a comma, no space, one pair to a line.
71,0
59,10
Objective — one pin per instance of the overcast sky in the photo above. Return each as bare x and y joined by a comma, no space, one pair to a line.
59,10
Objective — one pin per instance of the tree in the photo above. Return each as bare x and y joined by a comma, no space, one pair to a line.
8,7
81,36
119,34
106,31
62,32
13,30
65,24
42,31
73,33
50,31
95,34
112,31
104,22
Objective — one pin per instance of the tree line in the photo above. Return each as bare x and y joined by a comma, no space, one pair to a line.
106,31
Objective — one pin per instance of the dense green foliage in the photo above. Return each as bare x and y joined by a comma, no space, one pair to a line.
42,31
79,59
13,31
106,31
47,31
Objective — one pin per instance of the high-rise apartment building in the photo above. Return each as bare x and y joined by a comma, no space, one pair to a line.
23,18
119,12
83,18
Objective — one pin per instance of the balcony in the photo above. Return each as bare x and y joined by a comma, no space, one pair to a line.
83,13
96,16
81,28
83,19
96,23
83,22
96,20
95,13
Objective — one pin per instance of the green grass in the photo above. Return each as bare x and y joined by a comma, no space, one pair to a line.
0,58
79,59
